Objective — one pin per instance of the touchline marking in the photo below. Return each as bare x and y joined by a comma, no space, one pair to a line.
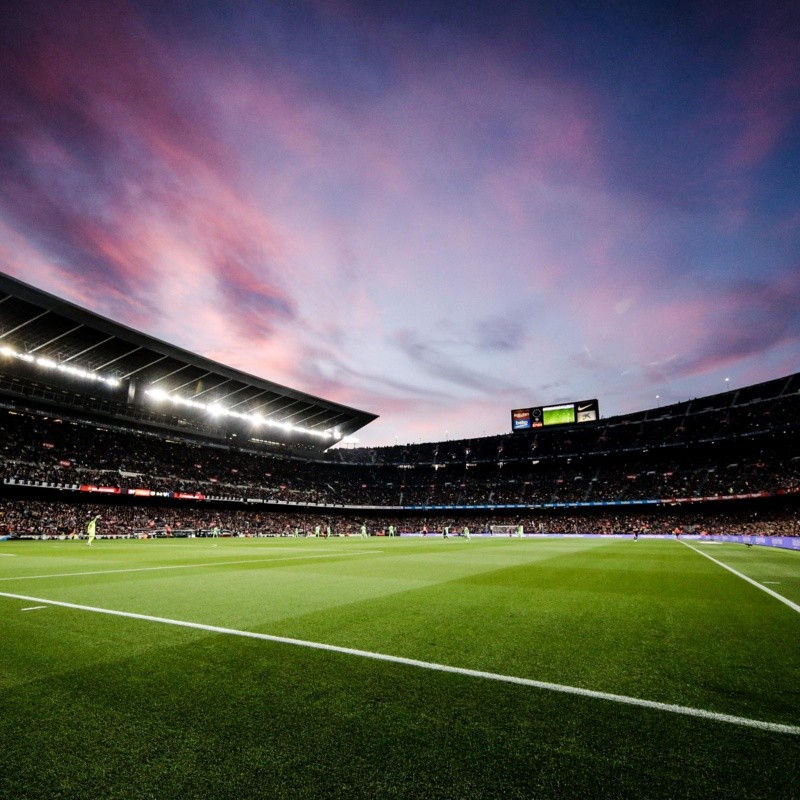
772,592
183,566
32,608
775,727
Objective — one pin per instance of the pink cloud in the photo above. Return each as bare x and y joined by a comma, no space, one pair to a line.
135,178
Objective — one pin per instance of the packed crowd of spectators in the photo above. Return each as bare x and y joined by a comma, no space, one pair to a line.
33,518
63,452
755,410
731,445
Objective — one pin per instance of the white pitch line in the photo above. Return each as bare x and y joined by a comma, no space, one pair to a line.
32,608
9,555
182,566
771,592
775,727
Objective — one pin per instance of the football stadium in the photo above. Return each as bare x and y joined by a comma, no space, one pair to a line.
201,597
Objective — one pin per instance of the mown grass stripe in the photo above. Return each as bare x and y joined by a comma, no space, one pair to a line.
774,727
184,566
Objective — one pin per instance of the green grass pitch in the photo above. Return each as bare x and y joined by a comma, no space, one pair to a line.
94,705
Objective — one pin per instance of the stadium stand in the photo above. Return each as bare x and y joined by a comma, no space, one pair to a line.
36,519
729,458
752,457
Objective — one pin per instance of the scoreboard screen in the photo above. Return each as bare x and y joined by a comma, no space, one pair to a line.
563,414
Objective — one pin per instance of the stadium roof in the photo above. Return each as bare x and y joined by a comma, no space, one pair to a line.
43,332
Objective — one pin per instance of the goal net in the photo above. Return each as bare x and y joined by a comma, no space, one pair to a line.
503,530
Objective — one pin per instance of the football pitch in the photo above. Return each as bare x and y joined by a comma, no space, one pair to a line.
386,668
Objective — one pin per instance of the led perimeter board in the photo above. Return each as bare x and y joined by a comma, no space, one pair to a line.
563,414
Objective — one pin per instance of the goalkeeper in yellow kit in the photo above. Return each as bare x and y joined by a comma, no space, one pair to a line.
91,530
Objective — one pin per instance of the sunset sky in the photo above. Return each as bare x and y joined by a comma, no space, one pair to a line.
435,212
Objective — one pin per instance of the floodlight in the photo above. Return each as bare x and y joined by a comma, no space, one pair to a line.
256,419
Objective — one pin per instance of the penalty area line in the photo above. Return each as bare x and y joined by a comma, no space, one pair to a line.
785,600
687,711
